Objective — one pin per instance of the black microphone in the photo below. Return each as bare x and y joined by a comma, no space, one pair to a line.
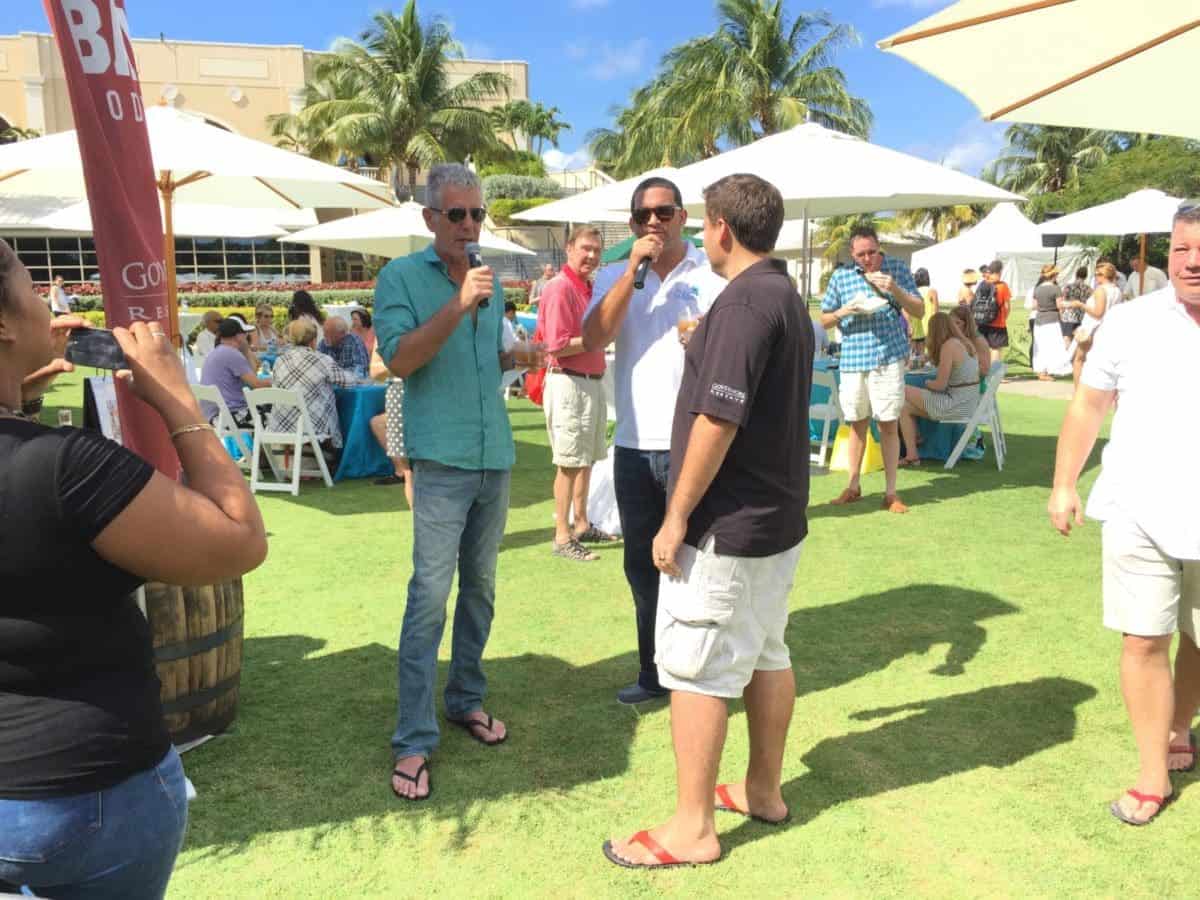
639,274
475,261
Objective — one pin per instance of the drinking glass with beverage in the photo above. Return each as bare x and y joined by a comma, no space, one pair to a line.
529,354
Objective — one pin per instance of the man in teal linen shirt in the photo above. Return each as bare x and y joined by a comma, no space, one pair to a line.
433,334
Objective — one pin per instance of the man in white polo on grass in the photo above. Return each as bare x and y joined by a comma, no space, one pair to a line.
1147,496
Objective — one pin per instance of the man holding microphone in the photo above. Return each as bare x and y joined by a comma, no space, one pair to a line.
678,285
439,325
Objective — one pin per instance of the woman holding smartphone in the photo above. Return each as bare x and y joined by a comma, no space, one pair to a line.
92,796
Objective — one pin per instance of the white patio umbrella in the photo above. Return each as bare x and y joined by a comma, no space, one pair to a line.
607,203
387,232
1142,212
197,163
1082,63
189,219
827,173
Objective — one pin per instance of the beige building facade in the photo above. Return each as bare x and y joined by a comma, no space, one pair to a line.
234,86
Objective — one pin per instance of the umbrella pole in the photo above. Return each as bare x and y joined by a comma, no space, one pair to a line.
807,261
166,189
1142,274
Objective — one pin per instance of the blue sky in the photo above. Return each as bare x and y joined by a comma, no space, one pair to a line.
587,55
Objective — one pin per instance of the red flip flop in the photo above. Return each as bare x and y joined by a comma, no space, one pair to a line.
727,805
1190,748
665,859
1162,802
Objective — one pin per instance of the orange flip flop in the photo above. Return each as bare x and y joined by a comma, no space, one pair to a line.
727,805
660,853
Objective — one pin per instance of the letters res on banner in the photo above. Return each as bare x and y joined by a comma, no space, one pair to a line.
110,121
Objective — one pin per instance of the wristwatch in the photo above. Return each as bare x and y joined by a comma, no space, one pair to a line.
32,408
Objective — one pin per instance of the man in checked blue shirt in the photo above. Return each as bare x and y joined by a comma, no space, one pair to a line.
865,302
434,334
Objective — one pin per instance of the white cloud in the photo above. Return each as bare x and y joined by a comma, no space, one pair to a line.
478,50
557,160
608,62
575,50
588,4
969,150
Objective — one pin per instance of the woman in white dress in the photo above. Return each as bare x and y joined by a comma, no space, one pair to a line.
1104,298
1049,355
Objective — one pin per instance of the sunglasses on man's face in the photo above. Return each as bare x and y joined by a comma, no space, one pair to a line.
458,213
663,213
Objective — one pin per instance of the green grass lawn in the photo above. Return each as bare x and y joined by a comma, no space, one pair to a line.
958,728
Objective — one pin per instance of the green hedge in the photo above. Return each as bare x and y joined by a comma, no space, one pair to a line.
516,295
239,299
518,187
501,210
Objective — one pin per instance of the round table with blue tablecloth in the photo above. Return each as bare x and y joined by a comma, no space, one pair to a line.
937,438
362,457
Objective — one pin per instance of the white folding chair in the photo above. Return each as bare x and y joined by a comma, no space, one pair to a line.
827,413
986,413
225,425
296,440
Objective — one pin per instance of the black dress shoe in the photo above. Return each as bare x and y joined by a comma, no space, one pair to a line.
635,694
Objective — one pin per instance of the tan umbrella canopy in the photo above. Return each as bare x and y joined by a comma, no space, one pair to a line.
197,163
1080,63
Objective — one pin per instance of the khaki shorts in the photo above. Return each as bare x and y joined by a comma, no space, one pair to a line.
1145,592
723,621
576,419
875,394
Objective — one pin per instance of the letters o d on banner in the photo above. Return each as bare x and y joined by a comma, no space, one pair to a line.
110,122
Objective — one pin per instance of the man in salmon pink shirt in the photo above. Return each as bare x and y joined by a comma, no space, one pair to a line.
576,412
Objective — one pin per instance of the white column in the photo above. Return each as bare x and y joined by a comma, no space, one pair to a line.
35,107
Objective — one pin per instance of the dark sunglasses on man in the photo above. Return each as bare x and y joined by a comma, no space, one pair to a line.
665,213
458,213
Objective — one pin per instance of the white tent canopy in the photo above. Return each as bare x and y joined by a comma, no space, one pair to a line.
387,232
1004,234
226,169
1142,212
826,173
68,216
607,203
1083,63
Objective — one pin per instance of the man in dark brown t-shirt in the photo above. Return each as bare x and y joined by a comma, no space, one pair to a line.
731,537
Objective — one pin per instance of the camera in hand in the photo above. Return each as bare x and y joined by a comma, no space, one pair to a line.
94,347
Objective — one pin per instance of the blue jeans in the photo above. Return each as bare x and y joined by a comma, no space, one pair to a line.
458,518
120,843
640,481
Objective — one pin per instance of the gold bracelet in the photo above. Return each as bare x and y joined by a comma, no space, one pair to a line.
187,429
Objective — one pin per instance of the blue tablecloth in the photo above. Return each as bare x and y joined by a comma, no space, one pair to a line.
937,439
529,321
362,457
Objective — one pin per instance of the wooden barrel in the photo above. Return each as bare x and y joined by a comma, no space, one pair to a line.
197,637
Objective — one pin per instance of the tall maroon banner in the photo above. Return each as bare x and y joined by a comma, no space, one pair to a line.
110,121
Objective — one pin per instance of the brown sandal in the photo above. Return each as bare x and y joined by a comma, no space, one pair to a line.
572,549
846,496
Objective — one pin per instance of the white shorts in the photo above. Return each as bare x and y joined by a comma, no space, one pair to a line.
875,394
1147,593
724,620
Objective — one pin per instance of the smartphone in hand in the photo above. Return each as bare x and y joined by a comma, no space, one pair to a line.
95,347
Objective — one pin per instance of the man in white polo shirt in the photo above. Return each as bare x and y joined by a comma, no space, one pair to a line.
1146,496
647,371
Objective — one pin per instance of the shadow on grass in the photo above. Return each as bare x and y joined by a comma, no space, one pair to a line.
835,644
1028,463
994,727
310,748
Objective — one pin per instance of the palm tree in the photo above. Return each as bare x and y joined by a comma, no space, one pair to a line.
510,118
543,125
10,134
311,134
1046,159
943,222
834,232
405,110
758,74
